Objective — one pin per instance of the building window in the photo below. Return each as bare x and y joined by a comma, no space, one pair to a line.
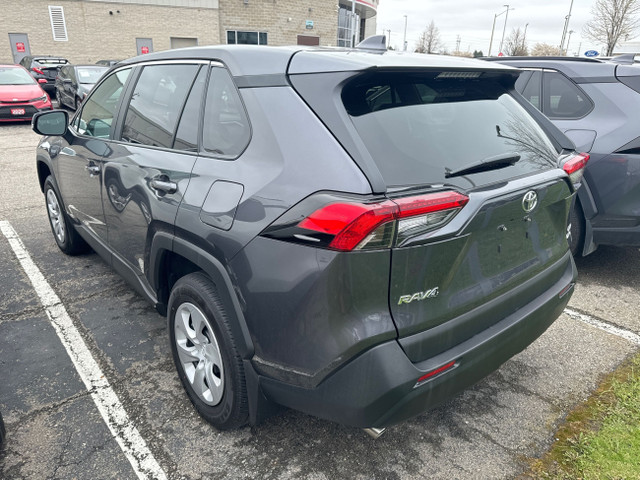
345,26
246,38
58,25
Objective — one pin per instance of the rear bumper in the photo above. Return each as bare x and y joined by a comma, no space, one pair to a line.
378,388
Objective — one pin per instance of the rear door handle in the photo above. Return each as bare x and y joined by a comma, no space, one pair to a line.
164,186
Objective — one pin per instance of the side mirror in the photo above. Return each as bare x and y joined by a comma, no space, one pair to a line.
52,122
42,80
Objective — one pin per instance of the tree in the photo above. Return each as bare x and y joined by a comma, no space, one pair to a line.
478,53
516,44
611,20
546,50
429,41
460,53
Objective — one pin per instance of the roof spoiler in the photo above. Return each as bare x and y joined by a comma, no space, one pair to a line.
624,59
377,43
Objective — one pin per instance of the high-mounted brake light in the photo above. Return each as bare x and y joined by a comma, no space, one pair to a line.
356,226
574,167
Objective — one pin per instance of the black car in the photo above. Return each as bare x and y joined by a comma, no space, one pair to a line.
596,104
107,63
351,233
45,67
74,82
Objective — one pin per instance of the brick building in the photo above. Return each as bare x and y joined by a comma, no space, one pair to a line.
85,31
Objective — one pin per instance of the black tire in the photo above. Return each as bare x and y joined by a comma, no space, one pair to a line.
65,235
225,406
3,432
576,220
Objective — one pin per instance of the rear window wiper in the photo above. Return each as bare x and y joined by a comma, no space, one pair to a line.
490,163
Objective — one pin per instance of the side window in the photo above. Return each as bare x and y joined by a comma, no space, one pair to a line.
156,104
532,89
187,134
226,128
99,108
563,99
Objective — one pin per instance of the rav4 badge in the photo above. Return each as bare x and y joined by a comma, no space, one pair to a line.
432,293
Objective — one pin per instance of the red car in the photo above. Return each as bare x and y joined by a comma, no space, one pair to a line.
20,95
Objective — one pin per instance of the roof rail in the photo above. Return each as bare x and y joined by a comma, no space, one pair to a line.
564,59
376,43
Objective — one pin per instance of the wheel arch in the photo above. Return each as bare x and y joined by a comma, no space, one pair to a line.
170,251
43,172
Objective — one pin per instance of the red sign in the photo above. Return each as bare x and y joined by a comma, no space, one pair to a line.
20,47
144,50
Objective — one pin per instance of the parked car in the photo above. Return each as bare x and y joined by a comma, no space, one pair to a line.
74,82
107,63
44,67
596,104
20,95
355,235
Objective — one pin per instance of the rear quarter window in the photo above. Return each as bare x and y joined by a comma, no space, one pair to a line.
417,125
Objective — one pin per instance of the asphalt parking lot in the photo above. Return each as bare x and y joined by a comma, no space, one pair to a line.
56,431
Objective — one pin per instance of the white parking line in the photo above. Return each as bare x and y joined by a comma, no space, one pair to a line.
607,327
108,403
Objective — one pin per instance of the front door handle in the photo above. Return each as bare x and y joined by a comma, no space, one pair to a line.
93,169
164,186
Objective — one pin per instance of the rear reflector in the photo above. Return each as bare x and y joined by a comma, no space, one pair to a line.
356,226
575,167
427,376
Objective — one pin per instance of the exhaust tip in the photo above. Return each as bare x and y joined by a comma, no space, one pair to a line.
374,433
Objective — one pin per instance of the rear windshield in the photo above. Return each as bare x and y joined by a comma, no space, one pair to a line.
90,75
416,125
15,76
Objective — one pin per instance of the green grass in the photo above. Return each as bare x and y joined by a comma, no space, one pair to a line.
601,438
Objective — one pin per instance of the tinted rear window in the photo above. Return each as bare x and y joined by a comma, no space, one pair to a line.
416,125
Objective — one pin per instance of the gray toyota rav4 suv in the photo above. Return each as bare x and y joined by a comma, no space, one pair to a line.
354,234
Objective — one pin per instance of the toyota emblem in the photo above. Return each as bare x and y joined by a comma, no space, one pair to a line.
529,201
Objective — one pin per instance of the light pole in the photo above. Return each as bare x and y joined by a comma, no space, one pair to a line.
504,29
493,29
353,23
566,52
566,26
404,44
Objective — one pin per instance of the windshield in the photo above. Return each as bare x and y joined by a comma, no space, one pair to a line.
90,74
416,126
15,76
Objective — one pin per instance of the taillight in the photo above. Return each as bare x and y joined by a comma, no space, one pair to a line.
37,70
349,225
575,167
